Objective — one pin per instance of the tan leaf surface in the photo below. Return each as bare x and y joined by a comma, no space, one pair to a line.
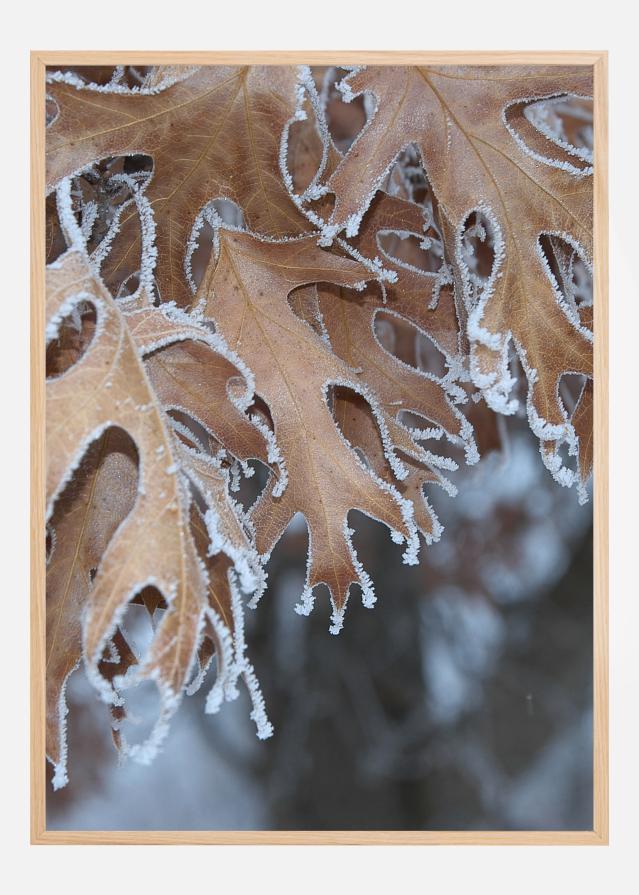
215,133
457,117
246,292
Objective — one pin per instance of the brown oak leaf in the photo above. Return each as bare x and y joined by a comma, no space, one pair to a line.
213,133
192,371
481,153
246,290
421,300
125,537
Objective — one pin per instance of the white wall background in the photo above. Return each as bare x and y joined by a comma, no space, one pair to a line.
69,24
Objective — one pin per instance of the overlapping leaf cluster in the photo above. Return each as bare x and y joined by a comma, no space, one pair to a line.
337,276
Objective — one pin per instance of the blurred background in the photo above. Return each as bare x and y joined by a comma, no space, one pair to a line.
463,700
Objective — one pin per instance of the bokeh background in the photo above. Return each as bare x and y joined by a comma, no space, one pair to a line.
462,700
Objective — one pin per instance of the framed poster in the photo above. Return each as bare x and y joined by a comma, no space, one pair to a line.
319,332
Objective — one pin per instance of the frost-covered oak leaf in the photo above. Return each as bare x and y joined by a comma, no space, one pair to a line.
84,520
214,132
349,321
246,291
481,152
106,389
233,561
356,422
416,297
421,297
191,371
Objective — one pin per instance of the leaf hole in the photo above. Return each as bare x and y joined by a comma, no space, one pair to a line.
397,336
345,405
478,255
557,131
407,343
426,253
152,600
345,121
386,333
260,408
566,119
304,149
247,489
229,212
571,386
355,419
408,180
192,433
75,335
130,286
218,210
202,255
430,358
571,274
478,244
304,303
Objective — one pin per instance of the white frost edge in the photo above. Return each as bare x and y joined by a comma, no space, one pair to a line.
562,165
243,668
452,392
532,113
60,774
113,87
496,387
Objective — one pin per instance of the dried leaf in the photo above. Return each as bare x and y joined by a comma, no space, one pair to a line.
85,519
482,153
246,291
349,319
215,133
108,387
421,297
355,420
191,370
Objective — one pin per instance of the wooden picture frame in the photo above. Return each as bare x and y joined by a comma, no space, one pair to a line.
598,835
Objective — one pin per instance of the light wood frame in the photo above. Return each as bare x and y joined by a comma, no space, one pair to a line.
599,833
